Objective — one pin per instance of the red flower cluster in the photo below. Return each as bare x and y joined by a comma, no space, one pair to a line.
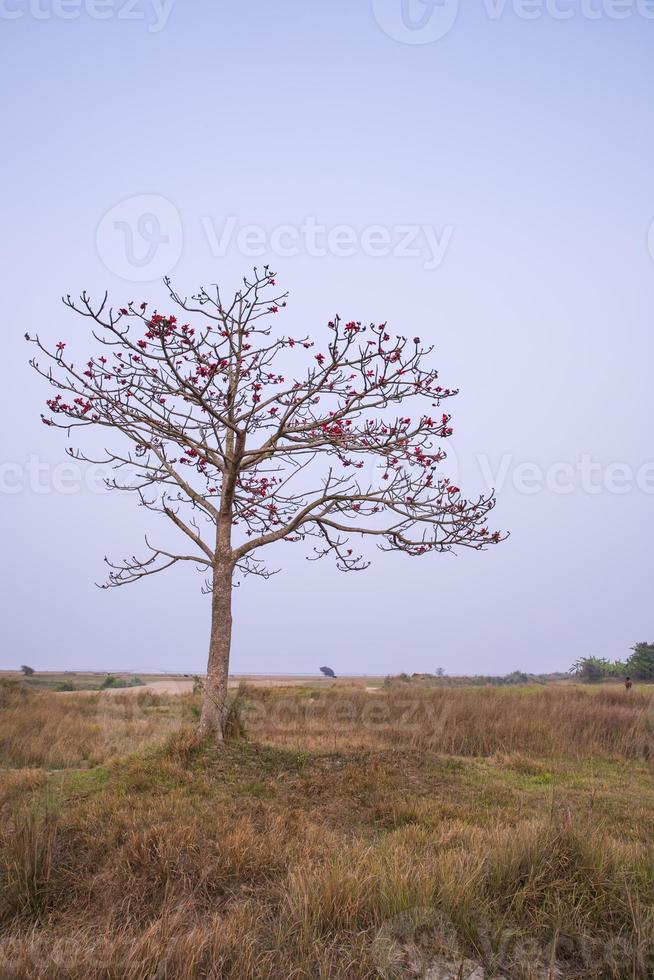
212,417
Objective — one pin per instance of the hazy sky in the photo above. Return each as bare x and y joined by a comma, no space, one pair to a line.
492,166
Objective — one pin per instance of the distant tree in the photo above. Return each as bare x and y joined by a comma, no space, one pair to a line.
440,672
517,677
28,671
213,427
327,671
592,670
111,681
640,665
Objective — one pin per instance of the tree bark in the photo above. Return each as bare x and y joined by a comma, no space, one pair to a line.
215,690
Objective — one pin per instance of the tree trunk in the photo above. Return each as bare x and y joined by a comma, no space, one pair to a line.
215,690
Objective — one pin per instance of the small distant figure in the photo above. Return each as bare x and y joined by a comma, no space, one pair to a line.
327,671
628,683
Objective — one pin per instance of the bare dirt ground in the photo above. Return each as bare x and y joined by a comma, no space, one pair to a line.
182,686
156,687
185,687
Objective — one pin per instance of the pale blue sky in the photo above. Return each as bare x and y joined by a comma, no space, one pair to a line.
519,152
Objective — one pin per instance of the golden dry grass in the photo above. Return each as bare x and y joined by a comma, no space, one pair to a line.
509,829
57,731
568,720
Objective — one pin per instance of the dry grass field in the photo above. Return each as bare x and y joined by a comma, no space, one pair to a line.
397,833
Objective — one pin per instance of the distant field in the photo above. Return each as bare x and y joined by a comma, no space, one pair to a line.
92,680
401,832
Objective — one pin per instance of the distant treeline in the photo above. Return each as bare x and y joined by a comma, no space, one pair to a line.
639,666
505,680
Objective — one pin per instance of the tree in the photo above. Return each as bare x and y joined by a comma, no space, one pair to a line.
239,448
28,671
591,670
640,664
327,671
